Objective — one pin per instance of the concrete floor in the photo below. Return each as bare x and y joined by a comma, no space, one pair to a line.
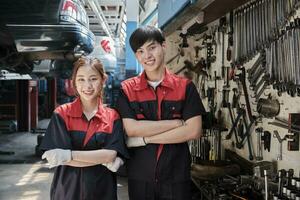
32,182
23,176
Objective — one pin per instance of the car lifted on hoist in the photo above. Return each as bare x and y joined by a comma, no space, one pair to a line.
36,30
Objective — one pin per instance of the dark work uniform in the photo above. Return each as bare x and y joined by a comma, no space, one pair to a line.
159,171
69,129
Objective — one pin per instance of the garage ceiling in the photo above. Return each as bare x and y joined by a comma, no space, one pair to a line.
107,18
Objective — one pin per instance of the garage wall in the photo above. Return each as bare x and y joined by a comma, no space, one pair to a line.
288,104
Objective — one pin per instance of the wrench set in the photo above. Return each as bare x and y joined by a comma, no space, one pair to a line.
270,31
257,24
269,28
283,60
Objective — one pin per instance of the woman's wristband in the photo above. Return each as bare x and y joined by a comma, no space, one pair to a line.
144,140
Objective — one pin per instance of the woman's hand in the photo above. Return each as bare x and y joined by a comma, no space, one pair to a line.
115,165
56,157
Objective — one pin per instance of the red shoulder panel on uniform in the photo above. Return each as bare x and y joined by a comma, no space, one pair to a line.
179,88
131,88
137,89
108,115
72,123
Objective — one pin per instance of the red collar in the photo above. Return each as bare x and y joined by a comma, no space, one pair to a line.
166,82
76,109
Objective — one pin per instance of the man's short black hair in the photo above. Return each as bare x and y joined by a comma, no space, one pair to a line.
144,34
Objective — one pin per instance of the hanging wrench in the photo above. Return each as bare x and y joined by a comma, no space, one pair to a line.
265,78
280,140
259,132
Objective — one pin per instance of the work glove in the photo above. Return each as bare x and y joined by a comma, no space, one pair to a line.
56,157
135,142
115,165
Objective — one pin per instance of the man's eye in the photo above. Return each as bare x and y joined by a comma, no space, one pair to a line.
139,52
152,47
94,79
80,79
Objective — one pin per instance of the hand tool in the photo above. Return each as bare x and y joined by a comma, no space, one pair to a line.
280,140
267,140
266,185
259,154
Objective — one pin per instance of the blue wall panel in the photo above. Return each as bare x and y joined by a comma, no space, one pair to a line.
167,9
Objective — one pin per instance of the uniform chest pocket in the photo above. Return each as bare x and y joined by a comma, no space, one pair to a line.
172,110
100,140
138,110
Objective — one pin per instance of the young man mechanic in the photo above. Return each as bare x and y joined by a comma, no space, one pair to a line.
160,113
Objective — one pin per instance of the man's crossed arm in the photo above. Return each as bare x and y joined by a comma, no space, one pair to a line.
162,132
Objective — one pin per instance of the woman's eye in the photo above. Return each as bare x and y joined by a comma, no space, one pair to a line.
80,79
94,79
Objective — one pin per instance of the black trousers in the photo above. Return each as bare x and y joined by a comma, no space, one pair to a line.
143,190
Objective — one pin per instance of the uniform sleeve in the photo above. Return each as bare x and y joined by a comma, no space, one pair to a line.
117,140
56,135
192,105
123,106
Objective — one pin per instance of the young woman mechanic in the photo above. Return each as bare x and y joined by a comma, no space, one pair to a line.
85,140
